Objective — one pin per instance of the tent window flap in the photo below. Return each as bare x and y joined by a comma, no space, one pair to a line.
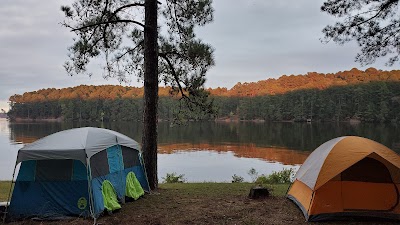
54,170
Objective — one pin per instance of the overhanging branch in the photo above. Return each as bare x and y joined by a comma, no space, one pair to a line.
171,67
184,96
109,22
380,10
127,6
172,53
130,50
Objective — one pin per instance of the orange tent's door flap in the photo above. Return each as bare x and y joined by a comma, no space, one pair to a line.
368,196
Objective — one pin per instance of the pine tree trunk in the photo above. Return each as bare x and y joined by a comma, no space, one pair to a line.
149,140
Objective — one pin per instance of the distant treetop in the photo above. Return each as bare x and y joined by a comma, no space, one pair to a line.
311,80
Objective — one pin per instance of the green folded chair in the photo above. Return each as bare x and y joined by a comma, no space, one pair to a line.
109,196
133,188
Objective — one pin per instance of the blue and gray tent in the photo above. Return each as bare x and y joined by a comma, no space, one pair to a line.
62,174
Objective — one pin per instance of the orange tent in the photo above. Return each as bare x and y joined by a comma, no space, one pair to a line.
348,176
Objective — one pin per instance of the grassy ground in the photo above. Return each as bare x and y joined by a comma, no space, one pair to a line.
204,203
4,190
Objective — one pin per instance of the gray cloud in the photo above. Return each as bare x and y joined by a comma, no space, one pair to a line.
258,39
34,47
253,39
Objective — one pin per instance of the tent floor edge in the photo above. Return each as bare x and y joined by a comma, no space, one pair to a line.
299,205
359,216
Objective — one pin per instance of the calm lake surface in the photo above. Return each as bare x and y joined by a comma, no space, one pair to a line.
212,151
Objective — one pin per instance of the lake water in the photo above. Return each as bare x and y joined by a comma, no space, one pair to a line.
212,151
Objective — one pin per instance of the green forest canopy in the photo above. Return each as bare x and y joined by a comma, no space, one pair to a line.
371,95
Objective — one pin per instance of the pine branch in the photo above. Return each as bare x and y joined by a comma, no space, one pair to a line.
126,6
130,50
109,22
173,72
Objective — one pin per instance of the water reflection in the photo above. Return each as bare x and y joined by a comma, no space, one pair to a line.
298,136
280,155
213,151
199,166
8,151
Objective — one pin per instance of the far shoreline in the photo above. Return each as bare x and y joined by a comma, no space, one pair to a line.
218,120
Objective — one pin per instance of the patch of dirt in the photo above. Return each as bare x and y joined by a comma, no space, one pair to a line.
175,206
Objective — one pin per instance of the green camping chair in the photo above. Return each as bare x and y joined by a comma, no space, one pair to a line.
109,196
133,188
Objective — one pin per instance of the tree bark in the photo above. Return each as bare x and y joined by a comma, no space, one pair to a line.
149,139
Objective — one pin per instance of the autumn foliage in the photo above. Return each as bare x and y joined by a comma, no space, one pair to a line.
310,80
370,96
270,86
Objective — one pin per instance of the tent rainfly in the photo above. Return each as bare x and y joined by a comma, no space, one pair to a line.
348,176
63,174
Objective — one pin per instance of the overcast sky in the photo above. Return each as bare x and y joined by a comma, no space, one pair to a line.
253,40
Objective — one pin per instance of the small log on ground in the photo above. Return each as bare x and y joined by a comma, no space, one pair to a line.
258,193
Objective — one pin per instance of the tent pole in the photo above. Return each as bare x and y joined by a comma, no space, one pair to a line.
144,167
9,193
91,205
291,184
121,175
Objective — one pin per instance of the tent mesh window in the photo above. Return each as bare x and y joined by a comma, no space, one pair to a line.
54,170
99,164
367,170
130,157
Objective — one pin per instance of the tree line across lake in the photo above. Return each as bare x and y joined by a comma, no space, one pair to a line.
377,101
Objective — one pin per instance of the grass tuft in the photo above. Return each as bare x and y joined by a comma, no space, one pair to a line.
4,190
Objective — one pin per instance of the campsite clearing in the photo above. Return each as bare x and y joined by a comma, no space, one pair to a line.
4,190
205,203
